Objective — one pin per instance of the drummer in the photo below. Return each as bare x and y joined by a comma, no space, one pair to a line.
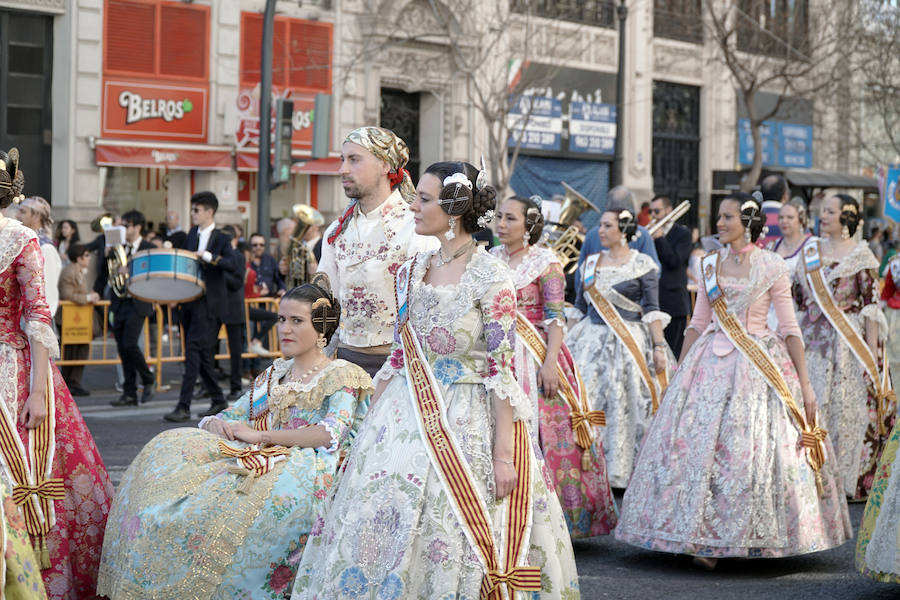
126,315
200,318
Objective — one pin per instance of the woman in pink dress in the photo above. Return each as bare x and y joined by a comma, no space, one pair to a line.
579,474
66,493
724,470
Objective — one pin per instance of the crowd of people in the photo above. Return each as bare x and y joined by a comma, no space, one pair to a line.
468,423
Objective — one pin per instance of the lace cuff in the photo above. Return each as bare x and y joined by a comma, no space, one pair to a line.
573,313
334,429
39,332
546,323
391,367
205,420
657,315
512,391
874,312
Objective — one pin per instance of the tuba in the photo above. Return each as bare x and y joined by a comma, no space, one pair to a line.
117,267
565,239
299,256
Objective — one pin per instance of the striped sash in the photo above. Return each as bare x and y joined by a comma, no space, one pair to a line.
504,575
582,417
812,436
29,466
615,321
821,291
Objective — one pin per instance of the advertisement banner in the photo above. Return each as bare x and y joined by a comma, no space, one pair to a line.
592,127
890,191
163,111
787,145
247,125
537,121
745,142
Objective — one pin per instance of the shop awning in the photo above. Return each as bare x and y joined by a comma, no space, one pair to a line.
202,157
825,179
249,161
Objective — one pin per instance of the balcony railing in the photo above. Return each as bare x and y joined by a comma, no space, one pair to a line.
598,13
682,20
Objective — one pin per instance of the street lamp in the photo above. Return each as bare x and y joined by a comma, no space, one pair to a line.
616,178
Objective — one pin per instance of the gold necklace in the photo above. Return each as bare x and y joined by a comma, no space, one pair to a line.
462,250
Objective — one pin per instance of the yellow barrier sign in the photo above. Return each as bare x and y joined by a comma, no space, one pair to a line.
77,323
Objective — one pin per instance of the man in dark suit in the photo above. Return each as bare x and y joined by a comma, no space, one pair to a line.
127,315
234,316
200,318
673,247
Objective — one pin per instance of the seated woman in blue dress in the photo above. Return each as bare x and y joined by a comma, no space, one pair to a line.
223,511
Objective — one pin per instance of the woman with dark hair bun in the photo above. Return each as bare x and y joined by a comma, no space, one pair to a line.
734,464
443,474
836,288
553,384
619,346
237,498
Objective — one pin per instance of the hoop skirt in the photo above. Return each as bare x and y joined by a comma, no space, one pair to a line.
878,544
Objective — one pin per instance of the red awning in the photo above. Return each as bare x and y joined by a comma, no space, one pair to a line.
247,161
199,157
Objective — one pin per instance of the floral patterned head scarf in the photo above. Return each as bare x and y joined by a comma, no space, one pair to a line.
387,147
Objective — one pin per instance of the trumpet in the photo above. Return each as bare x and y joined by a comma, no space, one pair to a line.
673,216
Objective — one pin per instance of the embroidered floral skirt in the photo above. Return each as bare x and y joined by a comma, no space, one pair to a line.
615,386
722,472
848,410
585,495
878,544
23,573
184,525
390,531
75,541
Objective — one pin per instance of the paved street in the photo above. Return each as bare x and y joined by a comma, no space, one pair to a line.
608,569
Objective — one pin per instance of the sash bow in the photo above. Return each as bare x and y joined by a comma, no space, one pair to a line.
51,489
522,578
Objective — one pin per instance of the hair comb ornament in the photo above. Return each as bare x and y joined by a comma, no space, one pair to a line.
459,179
749,204
481,180
485,219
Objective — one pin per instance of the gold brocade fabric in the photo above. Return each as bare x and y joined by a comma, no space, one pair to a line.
284,396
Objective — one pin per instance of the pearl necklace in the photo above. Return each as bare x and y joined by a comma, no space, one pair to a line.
462,250
302,378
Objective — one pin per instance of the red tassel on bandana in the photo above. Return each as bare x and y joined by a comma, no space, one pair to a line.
340,225
397,178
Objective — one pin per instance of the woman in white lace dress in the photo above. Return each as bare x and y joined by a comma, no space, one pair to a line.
620,368
447,415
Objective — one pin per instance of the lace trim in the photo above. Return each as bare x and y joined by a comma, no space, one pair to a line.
858,259
765,269
13,238
310,395
334,430
482,271
513,393
657,315
637,265
546,323
533,265
874,312
39,332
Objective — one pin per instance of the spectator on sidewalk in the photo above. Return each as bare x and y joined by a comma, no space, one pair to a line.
65,237
34,212
73,287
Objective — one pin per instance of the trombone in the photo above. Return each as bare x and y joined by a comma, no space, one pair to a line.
677,212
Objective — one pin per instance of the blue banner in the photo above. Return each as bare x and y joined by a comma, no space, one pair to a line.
537,121
787,145
890,192
745,142
592,128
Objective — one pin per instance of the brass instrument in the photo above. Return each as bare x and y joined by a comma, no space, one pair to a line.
117,267
102,222
300,257
565,238
673,216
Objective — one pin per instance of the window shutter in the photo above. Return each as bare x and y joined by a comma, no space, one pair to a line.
251,42
130,41
183,41
310,56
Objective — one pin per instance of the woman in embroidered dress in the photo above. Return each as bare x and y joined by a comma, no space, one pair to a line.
395,528
223,511
629,280
878,543
849,409
579,474
793,220
721,472
70,550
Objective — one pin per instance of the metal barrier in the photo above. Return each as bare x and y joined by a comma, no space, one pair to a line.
166,349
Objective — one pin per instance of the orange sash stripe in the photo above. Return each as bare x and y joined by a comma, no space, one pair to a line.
612,318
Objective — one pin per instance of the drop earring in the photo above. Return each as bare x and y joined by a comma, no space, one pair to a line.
321,342
623,241
747,235
845,233
450,233
525,237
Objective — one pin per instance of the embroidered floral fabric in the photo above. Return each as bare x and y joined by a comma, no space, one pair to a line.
847,408
74,543
390,531
878,544
721,471
182,526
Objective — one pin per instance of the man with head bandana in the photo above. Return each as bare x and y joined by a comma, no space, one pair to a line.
363,249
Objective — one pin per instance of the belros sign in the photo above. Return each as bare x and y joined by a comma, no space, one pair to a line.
155,111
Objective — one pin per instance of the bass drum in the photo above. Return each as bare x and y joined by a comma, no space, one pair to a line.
165,276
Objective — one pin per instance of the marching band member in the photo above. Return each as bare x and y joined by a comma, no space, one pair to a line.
442,494
223,511
673,247
364,248
49,458
547,373
842,324
619,345
732,465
